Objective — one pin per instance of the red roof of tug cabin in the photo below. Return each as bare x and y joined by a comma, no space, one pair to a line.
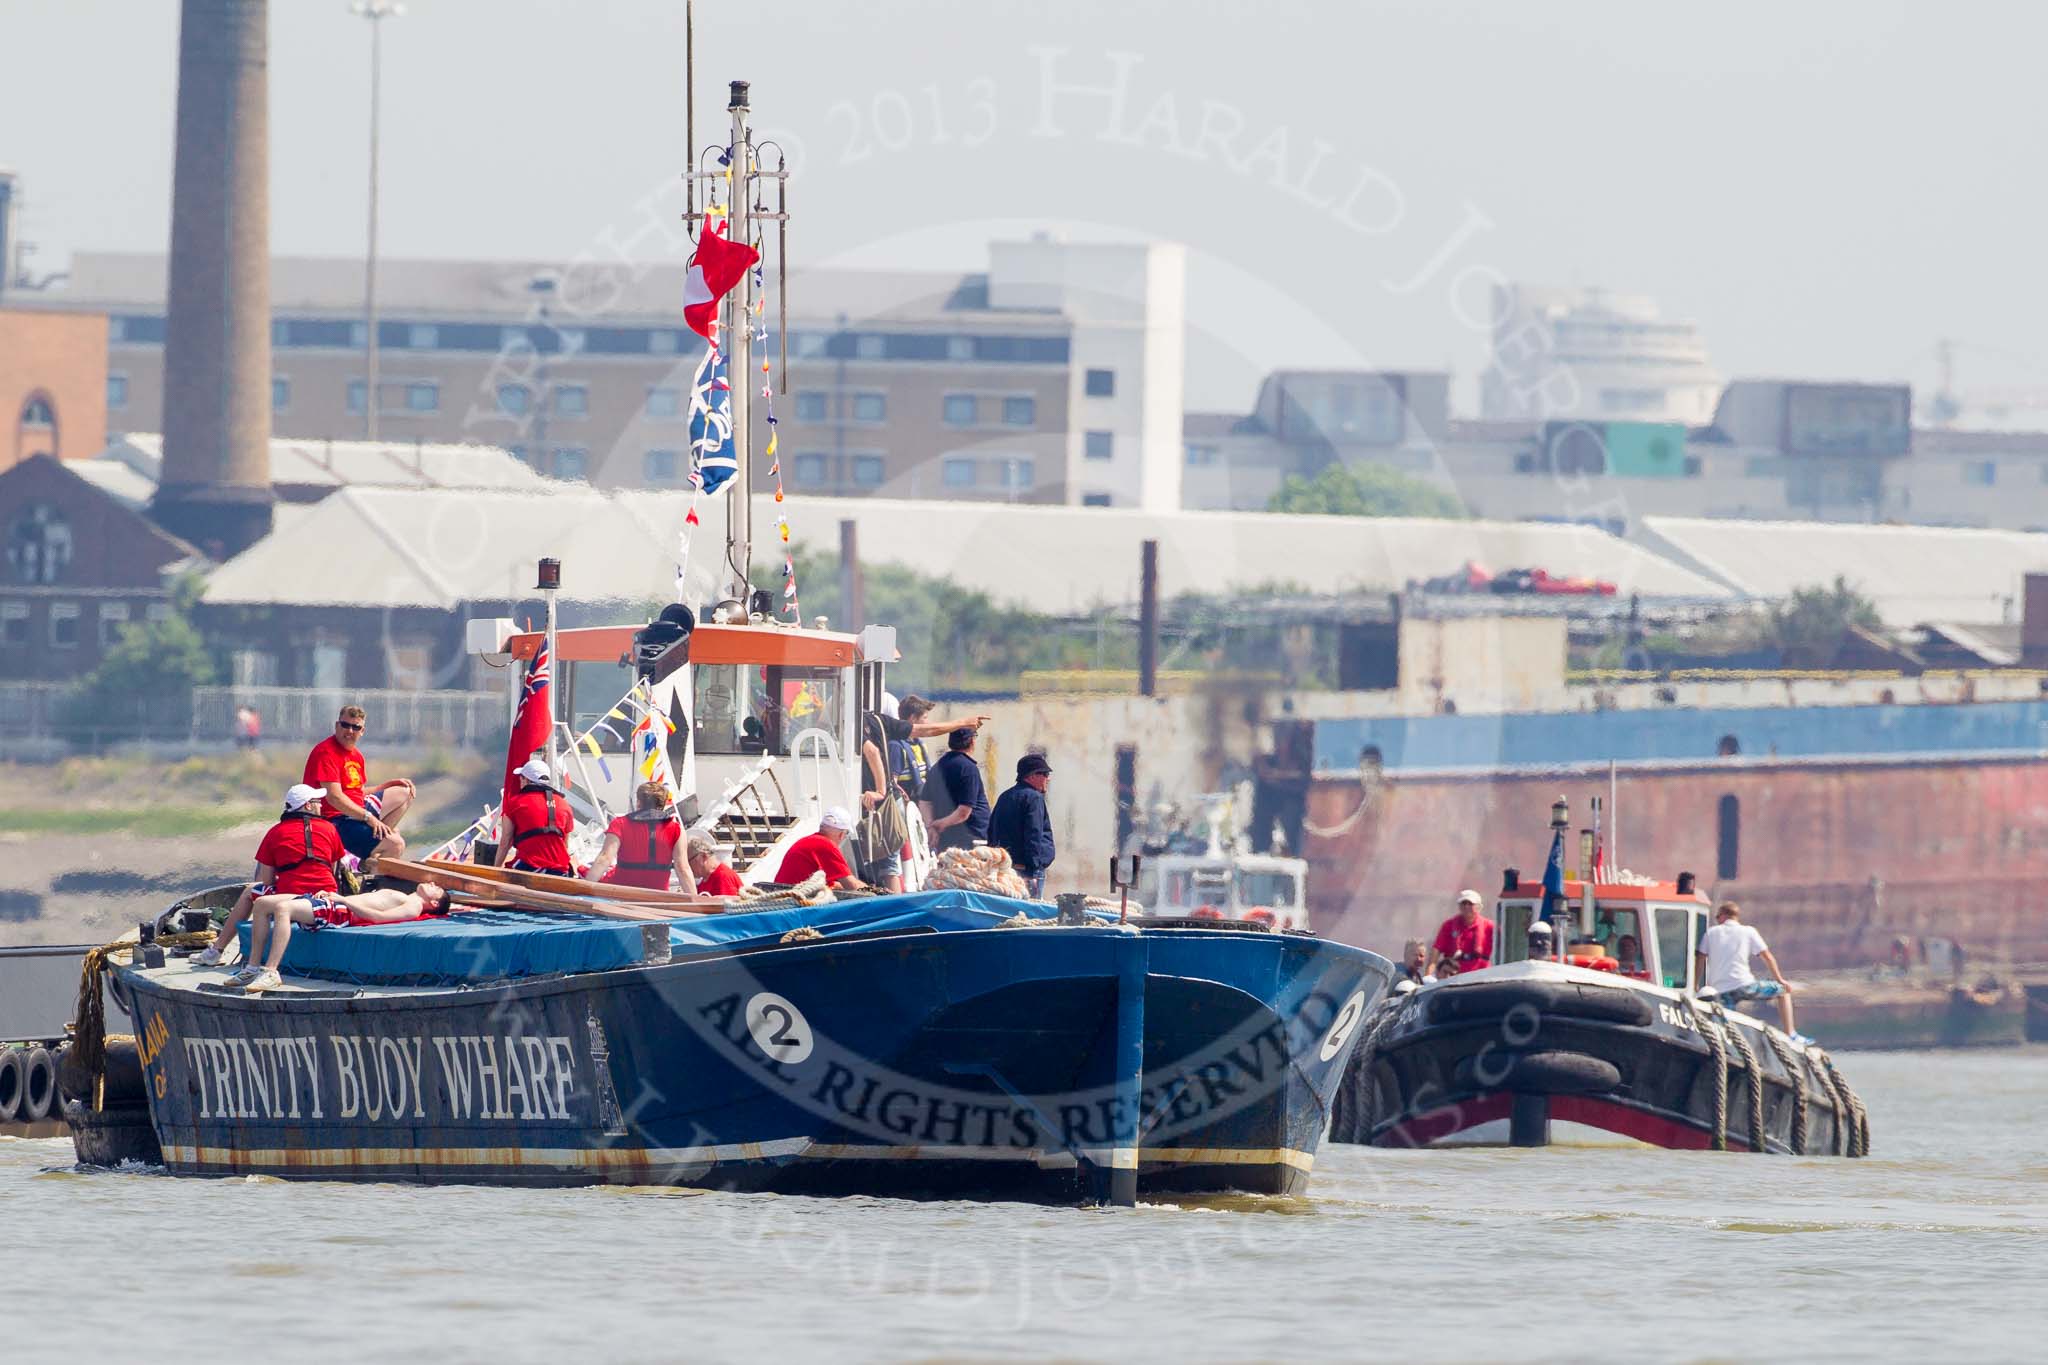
1611,891
709,644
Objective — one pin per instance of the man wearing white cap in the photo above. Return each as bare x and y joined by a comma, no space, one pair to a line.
820,852
297,857
534,827
1464,942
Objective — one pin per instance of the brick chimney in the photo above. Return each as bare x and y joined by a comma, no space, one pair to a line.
215,488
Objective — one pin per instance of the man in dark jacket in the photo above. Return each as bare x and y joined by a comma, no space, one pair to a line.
1021,825
954,802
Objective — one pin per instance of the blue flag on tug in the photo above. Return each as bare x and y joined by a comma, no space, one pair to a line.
1553,878
711,441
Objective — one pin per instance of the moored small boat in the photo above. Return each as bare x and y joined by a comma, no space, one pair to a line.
1611,1039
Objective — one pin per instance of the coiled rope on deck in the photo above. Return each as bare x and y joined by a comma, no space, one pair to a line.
89,1036
1782,1046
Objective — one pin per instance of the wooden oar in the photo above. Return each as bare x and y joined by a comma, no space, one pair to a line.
575,886
455,877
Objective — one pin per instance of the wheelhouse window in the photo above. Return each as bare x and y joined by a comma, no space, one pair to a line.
1273,890
1678,933
762,709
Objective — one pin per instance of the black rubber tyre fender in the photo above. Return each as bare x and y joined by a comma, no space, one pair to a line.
1240,926
38,1084
1564,999
1536,1073
10,1084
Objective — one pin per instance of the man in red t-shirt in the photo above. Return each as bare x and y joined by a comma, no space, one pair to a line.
1464,943
297,857
535,824
365,817
820,853
641,849
714,876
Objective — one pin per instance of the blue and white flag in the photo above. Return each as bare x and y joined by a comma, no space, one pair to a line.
1553,878
711,442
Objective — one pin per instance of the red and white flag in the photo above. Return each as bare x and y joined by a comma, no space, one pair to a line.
530,727
715,267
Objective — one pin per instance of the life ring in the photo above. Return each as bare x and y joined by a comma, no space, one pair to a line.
1205,912
10,1083
1261,915
38,1085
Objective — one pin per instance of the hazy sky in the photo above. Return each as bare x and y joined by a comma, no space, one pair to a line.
1827,187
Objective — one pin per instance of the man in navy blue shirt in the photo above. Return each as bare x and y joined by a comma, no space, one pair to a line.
955,802
1021,825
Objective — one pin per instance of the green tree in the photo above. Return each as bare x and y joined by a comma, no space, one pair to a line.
1364,490
143,683
1808,627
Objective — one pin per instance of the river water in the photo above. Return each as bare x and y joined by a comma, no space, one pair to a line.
1935,1248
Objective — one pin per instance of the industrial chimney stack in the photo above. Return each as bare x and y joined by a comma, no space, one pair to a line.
215,488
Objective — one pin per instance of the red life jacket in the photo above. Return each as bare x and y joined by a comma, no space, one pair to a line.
557,821
645,866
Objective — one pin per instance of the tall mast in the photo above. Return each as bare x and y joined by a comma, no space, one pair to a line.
739,347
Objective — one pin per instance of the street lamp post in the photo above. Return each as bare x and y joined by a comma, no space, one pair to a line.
376,11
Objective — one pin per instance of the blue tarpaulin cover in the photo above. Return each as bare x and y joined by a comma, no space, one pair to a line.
493,945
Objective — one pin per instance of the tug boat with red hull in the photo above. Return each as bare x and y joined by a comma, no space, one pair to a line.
1611,1039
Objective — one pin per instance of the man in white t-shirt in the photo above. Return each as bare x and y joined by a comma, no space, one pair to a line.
1723,963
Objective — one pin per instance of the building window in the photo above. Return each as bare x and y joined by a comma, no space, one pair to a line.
358,395
959,348
661,343
1020,412
14,623
573,339
64,625
571,462
117,396
1728,848
663,402
359,336
809,470
960,410
423,396
1201,455
810,407
809,345
1020,472
113,620
867,471
870,407
37,412
868,346
661,466
156,613
280,393
1100,384
1095,499
572,400
959,472
1099,445
38,546
423,336
514,400
1981,473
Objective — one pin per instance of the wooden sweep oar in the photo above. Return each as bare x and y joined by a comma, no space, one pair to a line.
512,895
570,886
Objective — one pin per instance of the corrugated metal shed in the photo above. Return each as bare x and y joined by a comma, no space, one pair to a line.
1912,573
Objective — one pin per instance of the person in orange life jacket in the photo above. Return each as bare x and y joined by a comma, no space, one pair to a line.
365,817
318,910
713,875
1464,942
820,852
536,822
297,855
641,849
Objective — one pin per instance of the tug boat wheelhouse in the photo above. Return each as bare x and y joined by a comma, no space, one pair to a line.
1200,866
549,1031
1612,1038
